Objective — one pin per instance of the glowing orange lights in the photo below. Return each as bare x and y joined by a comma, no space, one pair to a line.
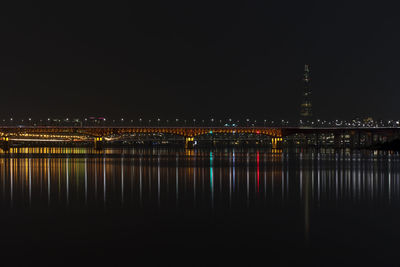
99,134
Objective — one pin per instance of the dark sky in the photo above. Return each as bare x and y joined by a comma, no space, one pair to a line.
199,59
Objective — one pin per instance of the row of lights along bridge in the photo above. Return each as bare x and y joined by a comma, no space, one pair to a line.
158,122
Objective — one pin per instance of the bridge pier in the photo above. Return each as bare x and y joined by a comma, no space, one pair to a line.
337,140
276,142
98,143
358,139
5,143
189,141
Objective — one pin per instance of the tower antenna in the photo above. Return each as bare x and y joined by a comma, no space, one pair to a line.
306,105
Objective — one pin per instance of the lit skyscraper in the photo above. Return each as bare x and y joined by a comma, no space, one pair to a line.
306,105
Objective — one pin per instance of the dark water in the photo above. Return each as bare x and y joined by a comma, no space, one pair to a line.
226,207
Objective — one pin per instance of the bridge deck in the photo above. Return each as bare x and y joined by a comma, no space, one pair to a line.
102,131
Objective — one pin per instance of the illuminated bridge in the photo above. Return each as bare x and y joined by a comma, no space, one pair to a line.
98,135
102,134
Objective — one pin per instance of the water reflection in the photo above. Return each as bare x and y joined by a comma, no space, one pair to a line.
215,179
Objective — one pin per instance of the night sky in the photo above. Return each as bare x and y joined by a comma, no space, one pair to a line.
199,59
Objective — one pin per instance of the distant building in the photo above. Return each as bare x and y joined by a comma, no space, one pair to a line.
306,105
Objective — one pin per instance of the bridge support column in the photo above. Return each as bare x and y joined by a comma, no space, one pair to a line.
189,141
276,142
98,143
4,143
368,140
337,140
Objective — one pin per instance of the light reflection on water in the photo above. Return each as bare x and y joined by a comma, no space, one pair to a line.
159,178
303,203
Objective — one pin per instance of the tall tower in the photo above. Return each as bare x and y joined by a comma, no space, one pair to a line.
306,105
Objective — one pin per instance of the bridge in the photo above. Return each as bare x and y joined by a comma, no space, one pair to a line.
99,134
276,135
